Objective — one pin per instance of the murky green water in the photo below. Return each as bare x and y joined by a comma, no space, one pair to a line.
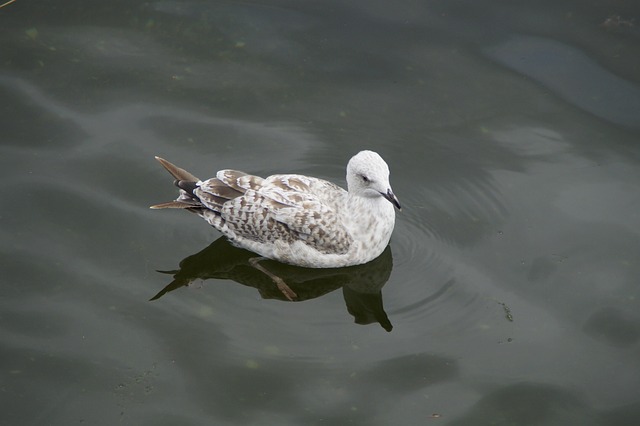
509,294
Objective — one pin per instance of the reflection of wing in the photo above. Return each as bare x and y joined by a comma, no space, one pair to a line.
361,284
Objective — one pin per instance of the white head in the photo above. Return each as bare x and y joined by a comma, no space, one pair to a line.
368,176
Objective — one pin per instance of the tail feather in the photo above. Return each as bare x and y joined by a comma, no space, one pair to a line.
176,205
186,182
177,172
186,186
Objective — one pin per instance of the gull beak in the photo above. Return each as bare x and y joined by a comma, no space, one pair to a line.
392,198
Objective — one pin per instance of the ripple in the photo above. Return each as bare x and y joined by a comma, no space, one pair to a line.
434,231
458,214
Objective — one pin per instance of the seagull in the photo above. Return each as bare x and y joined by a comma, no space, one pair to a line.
296,219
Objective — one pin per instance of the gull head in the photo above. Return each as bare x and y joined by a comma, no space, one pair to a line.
368,176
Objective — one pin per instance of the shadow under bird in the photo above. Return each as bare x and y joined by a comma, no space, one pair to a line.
296,219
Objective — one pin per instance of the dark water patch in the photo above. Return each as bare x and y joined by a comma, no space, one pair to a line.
624,415
613,326
529,404
573,76
411,372
44,129
35,324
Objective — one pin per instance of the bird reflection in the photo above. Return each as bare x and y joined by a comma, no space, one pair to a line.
361,285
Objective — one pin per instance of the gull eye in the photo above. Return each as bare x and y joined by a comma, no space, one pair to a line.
365,179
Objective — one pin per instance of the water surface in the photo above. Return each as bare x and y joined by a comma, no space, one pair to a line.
509,293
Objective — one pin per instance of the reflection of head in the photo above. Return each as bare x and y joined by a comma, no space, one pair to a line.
366,308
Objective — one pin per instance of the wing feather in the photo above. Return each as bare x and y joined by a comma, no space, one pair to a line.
240,181
283,209
213,193
286,208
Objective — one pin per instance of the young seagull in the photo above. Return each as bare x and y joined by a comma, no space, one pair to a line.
296,219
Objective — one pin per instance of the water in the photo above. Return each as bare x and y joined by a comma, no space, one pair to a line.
509,294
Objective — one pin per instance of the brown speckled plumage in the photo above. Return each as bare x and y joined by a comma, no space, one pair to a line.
297,219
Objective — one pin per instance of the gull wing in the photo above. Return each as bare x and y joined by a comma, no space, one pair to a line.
283,208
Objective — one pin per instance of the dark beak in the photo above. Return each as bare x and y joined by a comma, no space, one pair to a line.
392,198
